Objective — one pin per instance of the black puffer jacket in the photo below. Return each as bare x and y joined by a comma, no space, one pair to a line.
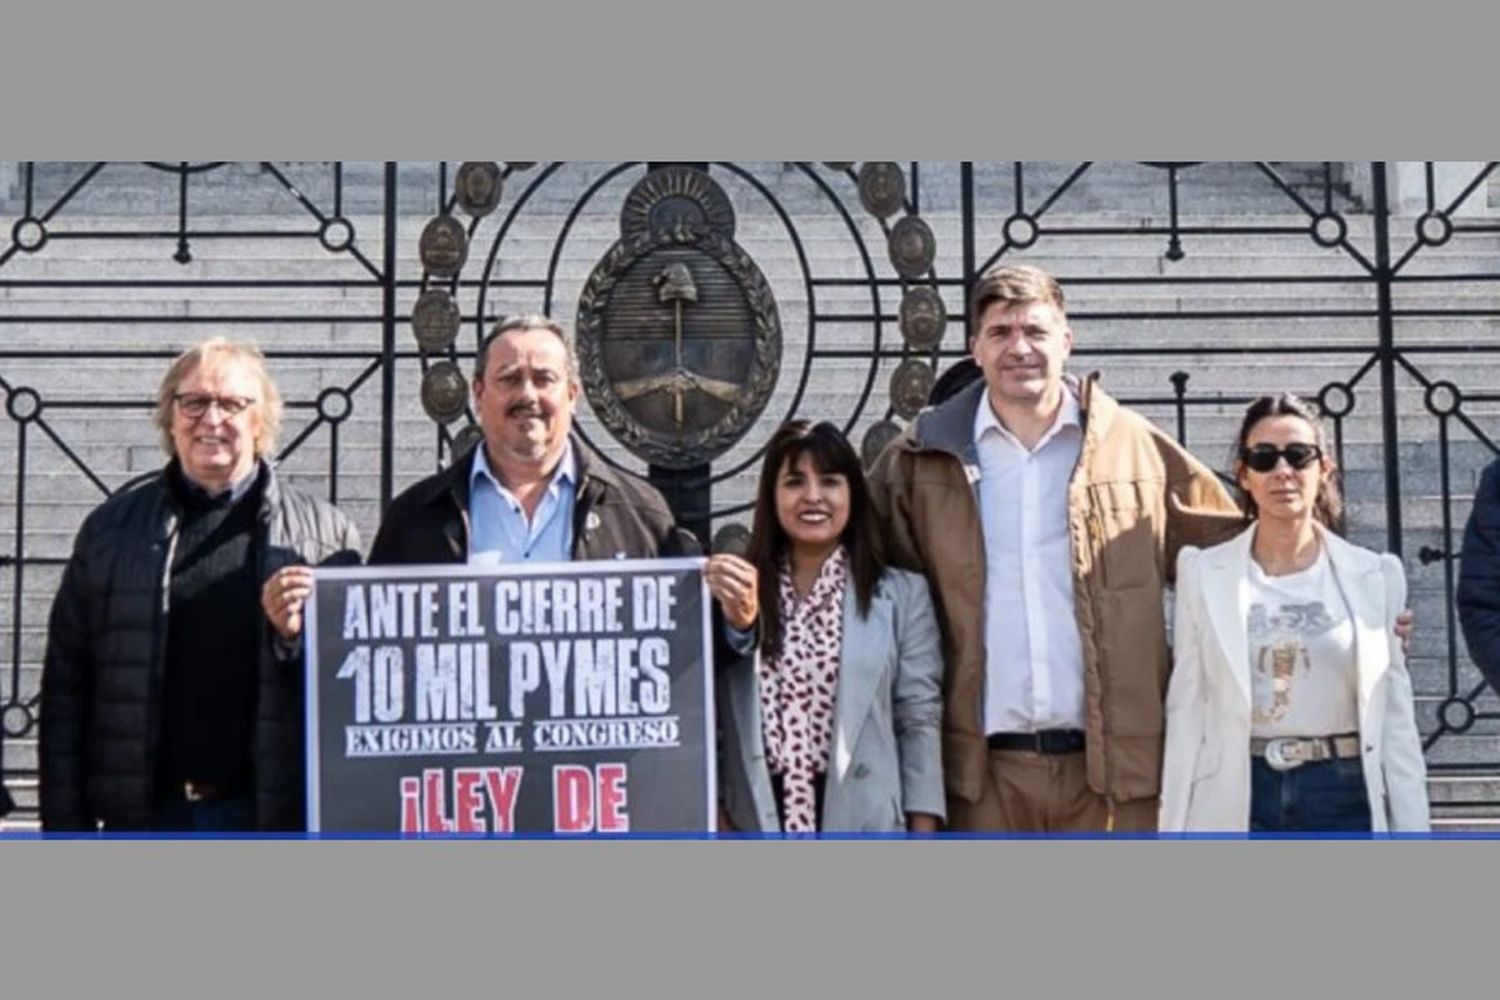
1479,577
106,642
615,514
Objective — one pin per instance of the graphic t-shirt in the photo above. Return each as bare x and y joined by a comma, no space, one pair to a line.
1303,678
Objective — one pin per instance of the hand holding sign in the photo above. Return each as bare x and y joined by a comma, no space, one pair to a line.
734,584
283,598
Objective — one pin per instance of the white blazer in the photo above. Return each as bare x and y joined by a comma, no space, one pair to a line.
1206,770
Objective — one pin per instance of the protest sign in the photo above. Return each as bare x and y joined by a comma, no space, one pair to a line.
564,697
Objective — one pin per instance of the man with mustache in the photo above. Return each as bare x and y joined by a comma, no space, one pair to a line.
532,491
1045,516
535,492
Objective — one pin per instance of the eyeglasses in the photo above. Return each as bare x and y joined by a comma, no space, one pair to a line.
1264,457
196,404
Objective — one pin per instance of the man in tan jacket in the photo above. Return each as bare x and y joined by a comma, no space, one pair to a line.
1047,518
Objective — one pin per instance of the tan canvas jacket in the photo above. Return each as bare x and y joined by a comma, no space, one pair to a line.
1134,499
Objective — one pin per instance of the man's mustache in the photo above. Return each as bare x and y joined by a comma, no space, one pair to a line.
524,410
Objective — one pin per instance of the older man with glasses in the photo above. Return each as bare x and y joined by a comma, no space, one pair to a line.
169,701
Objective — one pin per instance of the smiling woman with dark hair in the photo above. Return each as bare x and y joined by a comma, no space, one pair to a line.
833,725
1290,707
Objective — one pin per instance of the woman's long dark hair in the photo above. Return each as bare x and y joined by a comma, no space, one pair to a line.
1328,509
831,454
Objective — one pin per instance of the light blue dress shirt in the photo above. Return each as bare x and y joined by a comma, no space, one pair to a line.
498,529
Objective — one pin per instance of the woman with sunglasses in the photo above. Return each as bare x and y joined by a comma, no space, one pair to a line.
1290,706
834,724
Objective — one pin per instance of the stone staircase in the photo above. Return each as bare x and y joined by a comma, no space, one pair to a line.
328,302
272,189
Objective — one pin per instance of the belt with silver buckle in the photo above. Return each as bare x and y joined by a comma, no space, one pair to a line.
1283,753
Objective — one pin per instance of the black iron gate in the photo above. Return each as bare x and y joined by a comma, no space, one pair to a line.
1193,286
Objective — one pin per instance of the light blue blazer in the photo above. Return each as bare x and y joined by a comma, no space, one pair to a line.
886,759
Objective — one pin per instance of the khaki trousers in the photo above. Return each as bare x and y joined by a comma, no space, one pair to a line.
1029,792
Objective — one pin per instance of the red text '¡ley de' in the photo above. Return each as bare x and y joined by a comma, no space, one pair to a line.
584,799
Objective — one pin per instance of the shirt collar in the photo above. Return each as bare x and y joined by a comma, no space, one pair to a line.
1068,415
566,471
194,493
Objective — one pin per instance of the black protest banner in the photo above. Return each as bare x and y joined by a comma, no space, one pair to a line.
568,698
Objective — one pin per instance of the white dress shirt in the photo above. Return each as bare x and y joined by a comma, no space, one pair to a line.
1034,657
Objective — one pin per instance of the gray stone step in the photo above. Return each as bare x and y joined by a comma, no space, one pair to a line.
1464,749
1088,265
247,188
24,791
1464,824
1463,789
1094,311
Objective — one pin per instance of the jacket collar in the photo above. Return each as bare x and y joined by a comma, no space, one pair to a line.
182,492
1226,598
593,476
949,426
479,467
862,657
1099,407
1360,578
168,503
454,481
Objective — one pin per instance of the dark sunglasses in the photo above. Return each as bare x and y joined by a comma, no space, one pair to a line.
1263,457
